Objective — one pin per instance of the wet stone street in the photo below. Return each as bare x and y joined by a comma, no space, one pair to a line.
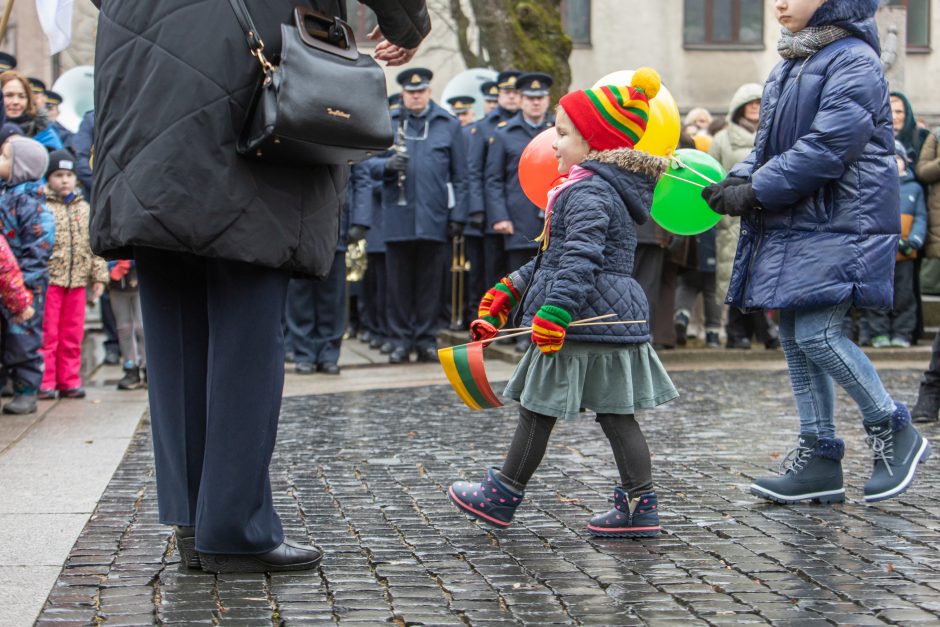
364,476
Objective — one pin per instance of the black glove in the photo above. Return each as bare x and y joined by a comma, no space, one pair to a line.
454,229
355,234
397,162
734,200
905,247
716,188
476,221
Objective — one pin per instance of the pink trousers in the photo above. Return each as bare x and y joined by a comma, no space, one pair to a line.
63,327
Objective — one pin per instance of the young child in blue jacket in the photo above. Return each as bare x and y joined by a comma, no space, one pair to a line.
895,327
583,270
29,228
818,200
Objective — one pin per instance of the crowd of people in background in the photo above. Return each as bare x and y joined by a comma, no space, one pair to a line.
443,212
49,274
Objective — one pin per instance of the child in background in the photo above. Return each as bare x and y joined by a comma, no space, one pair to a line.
72,267
29,228
125,301
17,300
584,270
896,327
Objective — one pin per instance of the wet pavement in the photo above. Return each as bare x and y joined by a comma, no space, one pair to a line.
364,475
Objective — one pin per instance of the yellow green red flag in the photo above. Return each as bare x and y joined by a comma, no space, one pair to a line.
463,366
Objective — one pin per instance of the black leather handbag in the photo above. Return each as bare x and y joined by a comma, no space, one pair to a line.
323,103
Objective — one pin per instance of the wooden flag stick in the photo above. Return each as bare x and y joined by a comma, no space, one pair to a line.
6,19
578,323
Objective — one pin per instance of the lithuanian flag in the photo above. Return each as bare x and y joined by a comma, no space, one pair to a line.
463,366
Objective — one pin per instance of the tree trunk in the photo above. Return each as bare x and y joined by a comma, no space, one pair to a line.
522,34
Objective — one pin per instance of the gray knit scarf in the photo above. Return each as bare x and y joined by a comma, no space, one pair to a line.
808,41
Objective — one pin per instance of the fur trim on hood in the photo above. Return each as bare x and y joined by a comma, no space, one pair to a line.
834,11
631,160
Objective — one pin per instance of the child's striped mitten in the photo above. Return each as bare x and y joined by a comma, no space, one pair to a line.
498,301
548,328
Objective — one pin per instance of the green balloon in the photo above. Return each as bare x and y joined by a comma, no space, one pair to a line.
678,205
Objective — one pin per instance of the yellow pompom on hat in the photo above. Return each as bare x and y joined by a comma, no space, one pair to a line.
611,116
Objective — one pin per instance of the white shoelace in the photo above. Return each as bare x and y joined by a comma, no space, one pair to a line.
882,445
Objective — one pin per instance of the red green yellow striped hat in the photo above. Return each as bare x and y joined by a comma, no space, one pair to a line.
611,117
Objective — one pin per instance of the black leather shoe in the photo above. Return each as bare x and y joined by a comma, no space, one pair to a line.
365,336
186,545
304,368
386,348
427,355
399,356
328,368
375,343
289,556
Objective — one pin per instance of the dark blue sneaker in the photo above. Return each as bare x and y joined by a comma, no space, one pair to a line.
492,501
638,518
898,447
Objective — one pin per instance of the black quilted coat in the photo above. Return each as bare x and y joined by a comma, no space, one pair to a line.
587,269
172,82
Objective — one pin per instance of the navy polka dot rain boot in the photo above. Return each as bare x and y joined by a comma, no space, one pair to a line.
637,518
491,501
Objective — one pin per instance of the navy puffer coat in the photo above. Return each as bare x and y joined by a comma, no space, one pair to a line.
587,269
823,168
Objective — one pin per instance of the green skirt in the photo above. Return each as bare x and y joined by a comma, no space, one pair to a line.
605,378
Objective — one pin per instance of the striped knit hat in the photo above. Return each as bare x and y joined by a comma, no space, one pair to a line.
612,117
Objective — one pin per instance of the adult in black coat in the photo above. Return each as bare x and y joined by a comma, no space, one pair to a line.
215,237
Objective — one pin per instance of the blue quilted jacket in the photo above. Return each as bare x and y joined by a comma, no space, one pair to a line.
823,168
587,269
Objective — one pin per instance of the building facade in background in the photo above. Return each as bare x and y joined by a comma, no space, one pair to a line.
704,49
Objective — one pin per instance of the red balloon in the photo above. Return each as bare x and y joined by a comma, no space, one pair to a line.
538,168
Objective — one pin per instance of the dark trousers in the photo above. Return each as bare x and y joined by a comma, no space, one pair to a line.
374,304
901,320
744,325
648,272
415,272
663,328
216,372
495,263
476,277
518,258
316,315
21,346
108,323
930,383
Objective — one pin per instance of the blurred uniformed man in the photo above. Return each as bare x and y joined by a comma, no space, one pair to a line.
490,90
495,264
53,100
508,209
418,217
462,108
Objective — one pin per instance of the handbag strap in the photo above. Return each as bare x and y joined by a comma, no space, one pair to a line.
252,36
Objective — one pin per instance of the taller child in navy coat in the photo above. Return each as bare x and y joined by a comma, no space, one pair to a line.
818,198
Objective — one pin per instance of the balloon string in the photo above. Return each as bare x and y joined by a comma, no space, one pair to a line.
693,170
684,180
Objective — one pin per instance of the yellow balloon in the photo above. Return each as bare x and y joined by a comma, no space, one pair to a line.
663,126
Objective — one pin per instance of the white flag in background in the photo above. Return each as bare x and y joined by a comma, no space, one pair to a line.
55,17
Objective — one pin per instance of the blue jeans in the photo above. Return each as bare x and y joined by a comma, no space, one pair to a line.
817,354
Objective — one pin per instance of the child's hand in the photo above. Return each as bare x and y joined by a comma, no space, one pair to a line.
498,301
481,329
25,315
549,328
504,227
97,290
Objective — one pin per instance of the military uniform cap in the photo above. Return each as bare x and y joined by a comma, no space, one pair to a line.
461,104
394,101
507,79
36,85
490,90
7,61
53,97
415,79
534,84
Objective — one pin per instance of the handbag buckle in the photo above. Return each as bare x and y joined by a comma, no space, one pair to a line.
336,36
257,51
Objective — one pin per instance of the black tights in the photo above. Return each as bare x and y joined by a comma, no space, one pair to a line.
530,442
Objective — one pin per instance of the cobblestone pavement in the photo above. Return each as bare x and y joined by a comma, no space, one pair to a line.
364,474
